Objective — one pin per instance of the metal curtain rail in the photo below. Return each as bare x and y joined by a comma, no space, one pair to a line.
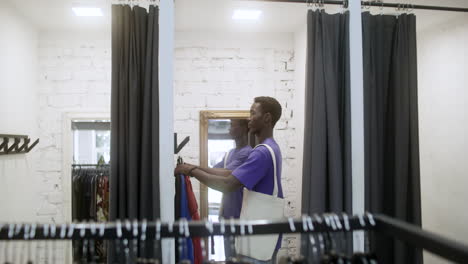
374,3
415,236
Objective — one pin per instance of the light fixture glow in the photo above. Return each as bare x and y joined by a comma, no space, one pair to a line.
246,14
87,11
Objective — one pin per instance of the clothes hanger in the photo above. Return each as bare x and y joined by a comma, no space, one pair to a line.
144,226
32,235
126,243
53,233
92,243
84,248
10,236
209,227
158,238
134,246
117,242
371,257
23,255
312,240
16,254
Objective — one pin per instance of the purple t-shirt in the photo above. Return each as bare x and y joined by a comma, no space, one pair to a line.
232,202
256,173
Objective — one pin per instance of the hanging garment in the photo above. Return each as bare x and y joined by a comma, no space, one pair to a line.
90,203
193,208
177,212
187,245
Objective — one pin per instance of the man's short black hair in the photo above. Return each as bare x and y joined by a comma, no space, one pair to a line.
270,105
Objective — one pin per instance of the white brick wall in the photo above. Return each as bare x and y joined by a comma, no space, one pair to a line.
74,75
228,76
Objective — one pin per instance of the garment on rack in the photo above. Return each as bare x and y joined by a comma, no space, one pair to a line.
187,244
193,209
90,202
177,203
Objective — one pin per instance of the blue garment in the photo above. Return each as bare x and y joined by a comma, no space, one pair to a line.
187,246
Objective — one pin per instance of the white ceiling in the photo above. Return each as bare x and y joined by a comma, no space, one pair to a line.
203,15
210,15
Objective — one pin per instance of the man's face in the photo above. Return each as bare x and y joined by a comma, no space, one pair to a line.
256,122
237,130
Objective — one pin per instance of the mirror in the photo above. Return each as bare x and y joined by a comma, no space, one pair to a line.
220,133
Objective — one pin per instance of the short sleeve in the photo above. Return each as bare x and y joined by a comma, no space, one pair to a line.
253,169
220,164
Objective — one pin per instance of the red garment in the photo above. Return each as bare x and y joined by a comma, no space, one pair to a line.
193,208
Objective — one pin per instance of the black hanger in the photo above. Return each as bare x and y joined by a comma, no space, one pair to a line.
179,147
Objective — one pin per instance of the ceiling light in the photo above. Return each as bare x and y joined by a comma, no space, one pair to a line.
246,14
87,11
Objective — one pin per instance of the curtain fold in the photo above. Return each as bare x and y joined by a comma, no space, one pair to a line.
326,178
134,180
392,174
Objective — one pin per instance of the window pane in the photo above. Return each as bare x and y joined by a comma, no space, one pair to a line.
102,139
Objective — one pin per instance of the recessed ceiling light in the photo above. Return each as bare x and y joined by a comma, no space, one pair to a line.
87,11
246,14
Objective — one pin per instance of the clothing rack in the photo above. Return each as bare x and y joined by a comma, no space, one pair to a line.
90,165
399,6
413,235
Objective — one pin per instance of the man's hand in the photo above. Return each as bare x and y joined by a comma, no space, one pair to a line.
183,169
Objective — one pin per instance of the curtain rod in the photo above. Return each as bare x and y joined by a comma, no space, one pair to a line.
373,3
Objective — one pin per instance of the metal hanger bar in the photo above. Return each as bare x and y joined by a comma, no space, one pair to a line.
89,165
196,228
376,4
13,136
413,235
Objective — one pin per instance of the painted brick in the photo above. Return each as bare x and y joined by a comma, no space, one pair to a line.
58,75
89,75
47,209
55,198
189,100
98,87
247,53
222,53
70,88
181,114
222,102
64,100
189,53
76,63
95,101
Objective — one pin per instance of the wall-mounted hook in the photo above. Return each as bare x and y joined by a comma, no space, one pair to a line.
17,147
14,146
179,147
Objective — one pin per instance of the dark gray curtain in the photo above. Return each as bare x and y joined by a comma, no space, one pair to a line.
391,128
326,178
134,181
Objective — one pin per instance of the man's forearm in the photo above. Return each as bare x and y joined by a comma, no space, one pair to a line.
216,171
222,183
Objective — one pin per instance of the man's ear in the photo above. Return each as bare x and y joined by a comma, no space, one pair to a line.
267,117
